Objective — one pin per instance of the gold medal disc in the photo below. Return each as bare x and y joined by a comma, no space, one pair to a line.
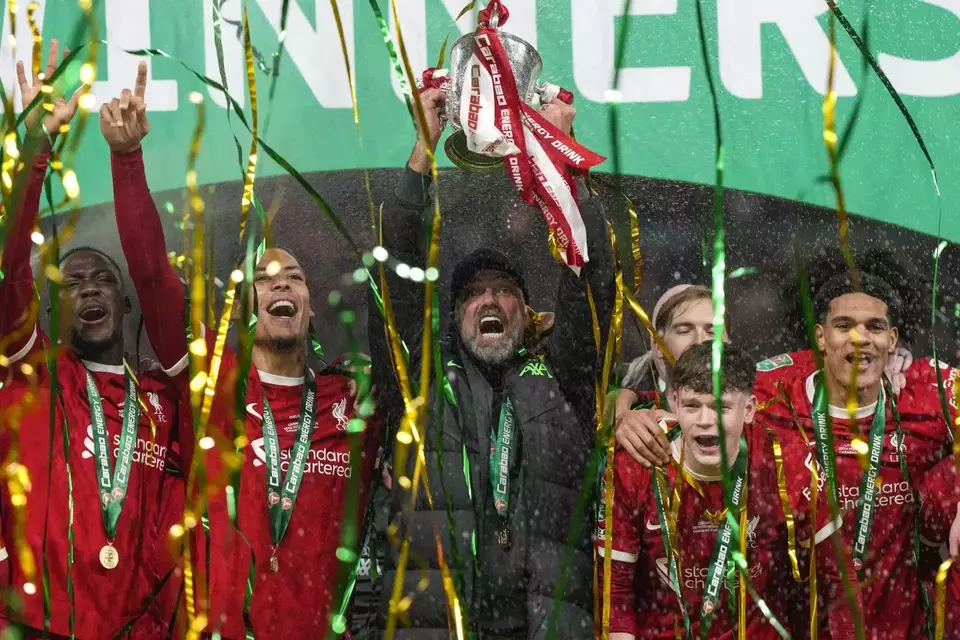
109,558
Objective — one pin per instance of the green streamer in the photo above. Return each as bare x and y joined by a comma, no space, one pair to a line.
394,58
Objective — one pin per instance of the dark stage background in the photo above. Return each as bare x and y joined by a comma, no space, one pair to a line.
763,233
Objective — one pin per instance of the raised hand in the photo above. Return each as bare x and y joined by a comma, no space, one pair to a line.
62,110
432,100
123,120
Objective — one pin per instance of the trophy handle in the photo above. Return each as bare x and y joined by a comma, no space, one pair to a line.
547,92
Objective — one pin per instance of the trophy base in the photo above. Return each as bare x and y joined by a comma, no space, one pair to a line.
456,149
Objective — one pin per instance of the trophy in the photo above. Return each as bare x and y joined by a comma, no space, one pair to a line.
526,64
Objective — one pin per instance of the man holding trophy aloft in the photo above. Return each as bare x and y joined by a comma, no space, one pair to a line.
506,454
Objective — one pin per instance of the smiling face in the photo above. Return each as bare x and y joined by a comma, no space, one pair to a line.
856,322
697,415
283,300
92,302
490,312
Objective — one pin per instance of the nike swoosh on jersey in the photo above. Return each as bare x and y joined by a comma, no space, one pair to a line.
653,527
251,409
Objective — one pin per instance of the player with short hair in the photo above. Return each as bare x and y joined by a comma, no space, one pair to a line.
83,428
899,438
664,570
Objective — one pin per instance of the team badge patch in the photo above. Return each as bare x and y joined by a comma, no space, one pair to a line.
776,362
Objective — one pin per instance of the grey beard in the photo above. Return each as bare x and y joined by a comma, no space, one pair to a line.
495,354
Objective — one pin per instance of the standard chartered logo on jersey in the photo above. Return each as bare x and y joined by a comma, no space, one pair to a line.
322,461
149,454
696,577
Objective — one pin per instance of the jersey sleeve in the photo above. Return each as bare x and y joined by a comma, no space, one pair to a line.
939,500
159,289
18,328
631,485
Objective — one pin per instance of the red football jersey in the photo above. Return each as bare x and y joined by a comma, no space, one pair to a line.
295,602
891,600
104,599
642,600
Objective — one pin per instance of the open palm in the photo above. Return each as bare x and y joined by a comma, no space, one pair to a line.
60,111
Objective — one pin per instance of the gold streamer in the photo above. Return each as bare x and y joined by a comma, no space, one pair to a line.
251,172
415,413
645,320
830,139
635,247
941,604
785,503
612,352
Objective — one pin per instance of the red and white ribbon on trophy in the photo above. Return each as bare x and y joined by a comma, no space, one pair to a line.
539,157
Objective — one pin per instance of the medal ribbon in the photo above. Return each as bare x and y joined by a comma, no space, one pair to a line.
868,481
721,548
666,533
500,452
113,490
281,499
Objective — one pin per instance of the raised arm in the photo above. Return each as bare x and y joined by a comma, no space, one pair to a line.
18,332
573,349
124,124
405,237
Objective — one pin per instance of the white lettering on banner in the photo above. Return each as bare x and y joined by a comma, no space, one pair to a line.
594,36
8,72
317,53
233,56
928,78
322,461
739,25
413,20
128,27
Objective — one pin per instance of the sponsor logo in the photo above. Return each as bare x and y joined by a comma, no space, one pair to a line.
776,362
653,527
707,607
887,494
154,399
273,498
147,453
105,498
857,564
536,369
252,410
500,505
321,461
286,504
117,493
695,577
291,427
339,413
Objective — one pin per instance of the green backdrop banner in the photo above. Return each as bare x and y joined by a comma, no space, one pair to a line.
770,58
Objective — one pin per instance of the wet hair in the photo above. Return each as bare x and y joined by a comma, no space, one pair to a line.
672,306
113,263
694,370
871,285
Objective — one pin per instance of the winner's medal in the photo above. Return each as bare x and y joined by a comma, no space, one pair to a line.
109,558
281,499
112,487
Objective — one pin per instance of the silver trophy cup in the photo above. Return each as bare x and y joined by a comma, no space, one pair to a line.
526,64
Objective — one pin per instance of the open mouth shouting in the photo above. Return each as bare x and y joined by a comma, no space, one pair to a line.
92,313
283,309
709,445
491,326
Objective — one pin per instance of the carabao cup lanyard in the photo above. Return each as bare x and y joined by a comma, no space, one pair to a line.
868,481
113,485
502,440
281,498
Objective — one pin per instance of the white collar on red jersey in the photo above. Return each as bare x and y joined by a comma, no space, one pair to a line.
97,367
282,381
840,412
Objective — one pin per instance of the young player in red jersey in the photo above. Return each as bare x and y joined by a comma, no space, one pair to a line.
647,579
905,436
296,471
111,440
